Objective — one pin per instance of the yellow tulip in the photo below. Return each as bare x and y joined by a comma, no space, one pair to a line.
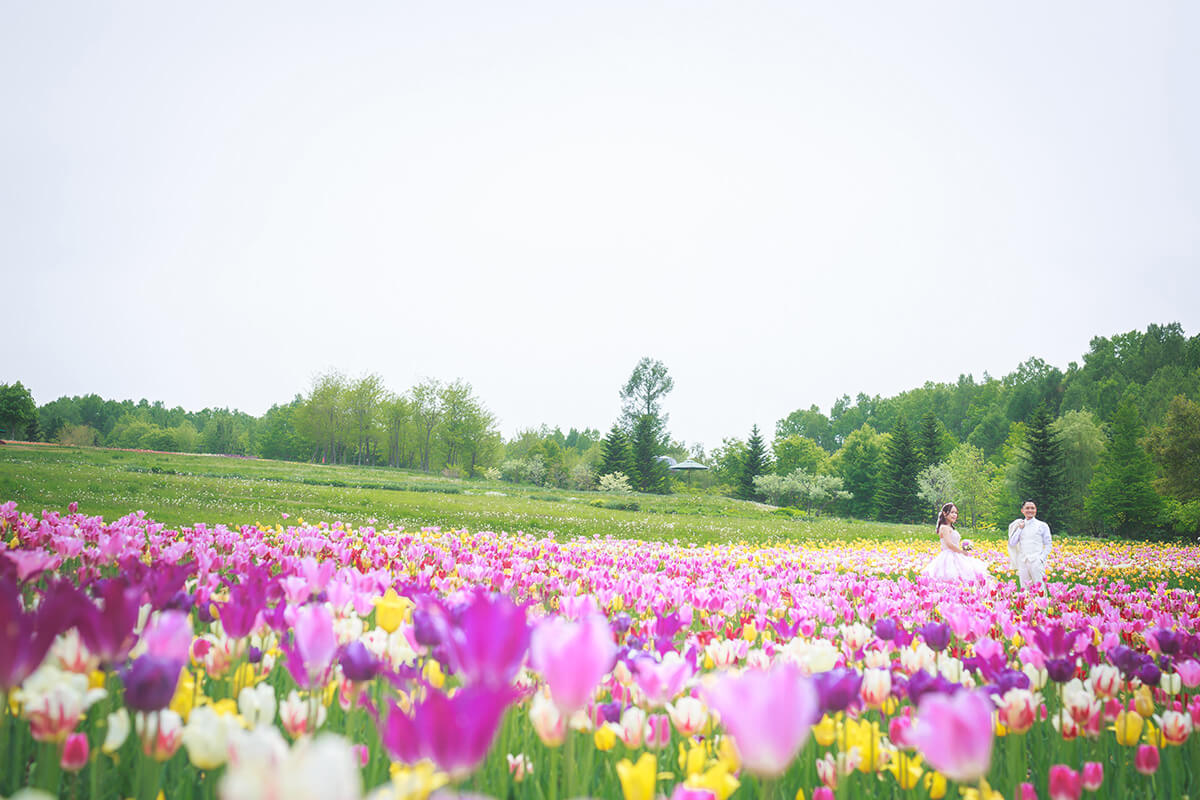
727,754
749,632
638,781
1143,701
605,738
799,794
433,674
96,679
717,779
391,610
825,731
416,782
1128,727
907,770
935,785
185,695
691,759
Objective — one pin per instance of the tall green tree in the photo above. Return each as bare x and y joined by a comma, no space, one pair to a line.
1040,475
897,498
931,441
858,463
1082,441
1121,496
643,392
648,441
755,462
616,455
18,413
799,452
427,410
977,482
1175,446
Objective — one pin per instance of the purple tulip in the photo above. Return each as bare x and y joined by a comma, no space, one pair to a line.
936,635
108,628
837,689
922,684
768,713
1060,670
572,658
240,613
358,664
428,625
453,732
150,682
1124,659
26,636
885,629
1055,641
621,623
1149,674
488,644
955,734
1167,641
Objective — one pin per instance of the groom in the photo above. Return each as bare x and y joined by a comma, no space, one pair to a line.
1029,545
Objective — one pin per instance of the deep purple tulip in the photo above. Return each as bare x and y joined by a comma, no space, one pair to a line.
922,684
150,682
635,642
1060,670
610,712
669,625
1168,641
165,581
358,664
240,613
488,644
1149,674
1010,679
1124,659
936,635
837,689
427,626
26,636
885,629
455,733
254,655
784,630
621,623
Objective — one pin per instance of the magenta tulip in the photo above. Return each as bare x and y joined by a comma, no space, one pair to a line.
1065,783
1146,760
1093,775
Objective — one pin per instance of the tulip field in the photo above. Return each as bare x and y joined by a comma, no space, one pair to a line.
330,660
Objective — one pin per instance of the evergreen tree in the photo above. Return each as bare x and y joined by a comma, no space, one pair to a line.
897,496
616,455
1121,496
930,442
647,443
754,463
858,463
1040,474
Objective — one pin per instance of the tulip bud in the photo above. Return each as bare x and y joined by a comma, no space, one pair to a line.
1093,775
1146,760
75,752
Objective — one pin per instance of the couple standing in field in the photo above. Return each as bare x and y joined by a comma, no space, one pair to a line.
1028,548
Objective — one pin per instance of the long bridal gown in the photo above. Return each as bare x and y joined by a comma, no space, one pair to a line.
951,565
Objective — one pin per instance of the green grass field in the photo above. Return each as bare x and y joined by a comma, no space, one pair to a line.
180,489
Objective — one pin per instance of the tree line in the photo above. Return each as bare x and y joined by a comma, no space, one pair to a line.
1109,444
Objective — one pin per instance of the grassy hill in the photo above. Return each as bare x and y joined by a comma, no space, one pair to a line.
181,489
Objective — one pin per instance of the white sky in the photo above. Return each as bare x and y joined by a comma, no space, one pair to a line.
208,203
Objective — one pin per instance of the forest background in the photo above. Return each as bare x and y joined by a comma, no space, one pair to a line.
1109,446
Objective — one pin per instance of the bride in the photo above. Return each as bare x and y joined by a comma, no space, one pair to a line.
953,562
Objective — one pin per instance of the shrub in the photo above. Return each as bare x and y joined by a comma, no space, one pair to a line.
614,482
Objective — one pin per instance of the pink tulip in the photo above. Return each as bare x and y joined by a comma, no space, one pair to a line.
1093,775
823,793
316,643
684,792
75,752
658,731
1146,760
572,658
661,681
955,734
1026,791
768,713
1189,673
1065,783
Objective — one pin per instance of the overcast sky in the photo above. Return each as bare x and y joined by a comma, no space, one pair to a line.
209,203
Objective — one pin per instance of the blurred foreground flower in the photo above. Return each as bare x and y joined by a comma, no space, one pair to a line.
572,658
955,734
454,733
768,714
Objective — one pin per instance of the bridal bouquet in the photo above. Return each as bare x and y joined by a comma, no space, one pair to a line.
968,545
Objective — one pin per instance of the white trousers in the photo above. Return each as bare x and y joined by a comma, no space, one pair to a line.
1031,571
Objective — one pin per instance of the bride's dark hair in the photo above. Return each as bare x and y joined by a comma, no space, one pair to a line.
942,517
